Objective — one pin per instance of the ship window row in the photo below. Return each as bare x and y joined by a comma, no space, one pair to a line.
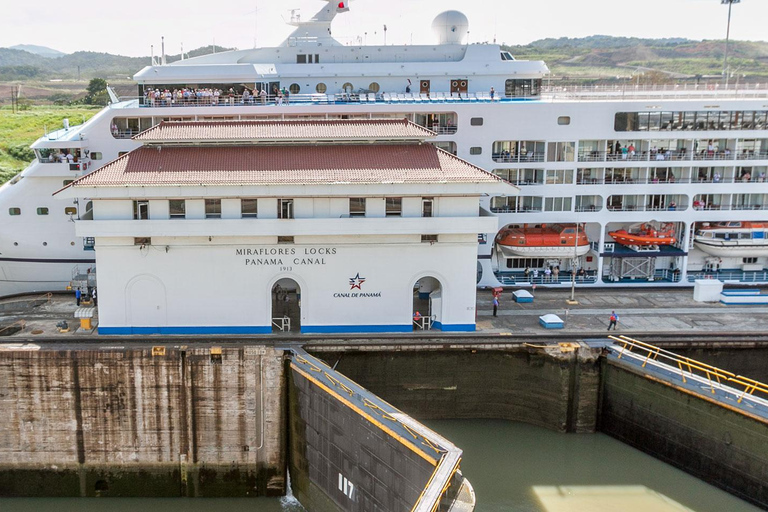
644,175
42,210
249,208
443,123
691,120
536,176
166,95
630,202
672,149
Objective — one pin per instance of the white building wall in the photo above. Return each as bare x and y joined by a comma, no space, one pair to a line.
195,209
112,210
375,207
159,209
267,208
230,209
458,207
411,207
303,208
223,289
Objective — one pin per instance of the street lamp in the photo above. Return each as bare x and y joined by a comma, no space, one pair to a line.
727,36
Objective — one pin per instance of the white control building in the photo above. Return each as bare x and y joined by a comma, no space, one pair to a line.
246,227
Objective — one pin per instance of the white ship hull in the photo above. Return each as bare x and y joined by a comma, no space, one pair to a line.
564,179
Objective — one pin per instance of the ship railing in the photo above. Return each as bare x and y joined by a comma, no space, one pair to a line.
655,91
563,277
282,323
742,276
669,155
509,159
590,208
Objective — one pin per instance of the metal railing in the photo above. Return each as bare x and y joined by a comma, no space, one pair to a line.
283,323
670,155
671,91
742,276
716,378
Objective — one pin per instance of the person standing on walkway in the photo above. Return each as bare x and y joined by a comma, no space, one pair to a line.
78,296
613,320
495,305
93,294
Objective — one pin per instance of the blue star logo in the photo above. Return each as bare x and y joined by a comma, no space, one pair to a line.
356,282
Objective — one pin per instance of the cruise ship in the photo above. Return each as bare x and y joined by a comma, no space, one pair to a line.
685,157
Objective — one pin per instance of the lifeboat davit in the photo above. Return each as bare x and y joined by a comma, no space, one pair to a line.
545,241
737,239
645,235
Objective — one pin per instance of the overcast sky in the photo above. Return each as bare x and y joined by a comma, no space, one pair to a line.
130,28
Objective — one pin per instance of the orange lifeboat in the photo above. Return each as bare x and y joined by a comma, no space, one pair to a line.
645,235
545,241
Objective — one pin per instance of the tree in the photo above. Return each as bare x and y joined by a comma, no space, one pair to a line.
97,92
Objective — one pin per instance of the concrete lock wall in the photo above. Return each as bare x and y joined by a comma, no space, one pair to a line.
340,461
712,442
543,387
125,423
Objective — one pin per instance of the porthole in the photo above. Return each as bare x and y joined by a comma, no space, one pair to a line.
347,87
45,244
321,88
15,244
70,210
14,211
564,120
42,210
374,87
72,244
294,88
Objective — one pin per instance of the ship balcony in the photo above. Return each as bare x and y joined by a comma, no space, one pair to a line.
648,203
518,158
286,227
671,156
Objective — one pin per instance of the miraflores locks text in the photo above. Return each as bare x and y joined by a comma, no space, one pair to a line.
285,255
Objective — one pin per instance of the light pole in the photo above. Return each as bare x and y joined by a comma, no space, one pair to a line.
572,301
727,36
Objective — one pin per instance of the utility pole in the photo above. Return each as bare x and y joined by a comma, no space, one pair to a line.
727,37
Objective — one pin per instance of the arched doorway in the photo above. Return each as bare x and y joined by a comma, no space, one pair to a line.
145,302
427,304
286,306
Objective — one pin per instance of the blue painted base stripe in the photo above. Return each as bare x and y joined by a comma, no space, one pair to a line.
454,327
729,303
341,329
239,329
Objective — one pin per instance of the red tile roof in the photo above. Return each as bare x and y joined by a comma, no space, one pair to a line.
282,165
267,131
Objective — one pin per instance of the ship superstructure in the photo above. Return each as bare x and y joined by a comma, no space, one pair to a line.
604,159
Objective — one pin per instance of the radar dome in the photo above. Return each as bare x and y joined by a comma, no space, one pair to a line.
450,27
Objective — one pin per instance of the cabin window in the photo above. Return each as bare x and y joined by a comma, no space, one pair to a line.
749,260
476,121
564,120
557,204
14,211
285,240
394,206
96,155
321,88
67,182
374,87
347,87
213,208
249,208
285,208
427,207
476,150
301,59
429,238
70,210
177,208
42,211
560,151
559,176
294,88
141,210
121,153
357,207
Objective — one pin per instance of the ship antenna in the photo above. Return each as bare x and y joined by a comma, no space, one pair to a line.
162,58
152,54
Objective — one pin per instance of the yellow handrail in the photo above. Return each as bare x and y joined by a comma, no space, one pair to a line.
691,366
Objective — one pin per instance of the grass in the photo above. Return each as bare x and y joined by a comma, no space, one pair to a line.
19,130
